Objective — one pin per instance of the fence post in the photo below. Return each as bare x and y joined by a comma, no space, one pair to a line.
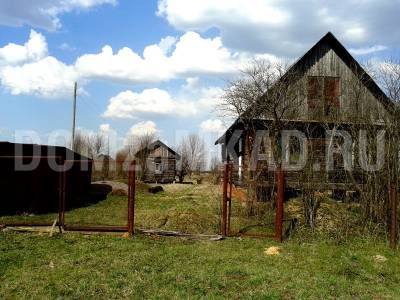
224,200
60,196
279,203
64,196
393,224
131,198
229,199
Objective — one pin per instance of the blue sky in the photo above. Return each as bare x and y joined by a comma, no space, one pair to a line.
175,57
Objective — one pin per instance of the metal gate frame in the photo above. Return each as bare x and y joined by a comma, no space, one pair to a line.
129,228
227,205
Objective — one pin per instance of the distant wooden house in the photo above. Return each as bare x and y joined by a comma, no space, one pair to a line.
159,163
335,94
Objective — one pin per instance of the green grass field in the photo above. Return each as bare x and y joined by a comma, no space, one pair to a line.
332,262
77,266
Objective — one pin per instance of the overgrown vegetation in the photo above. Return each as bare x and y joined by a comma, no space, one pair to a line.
336,260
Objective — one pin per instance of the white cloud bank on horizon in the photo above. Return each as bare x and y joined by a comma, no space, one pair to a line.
43,13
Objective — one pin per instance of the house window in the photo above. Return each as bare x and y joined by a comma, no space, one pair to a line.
323,96
158,168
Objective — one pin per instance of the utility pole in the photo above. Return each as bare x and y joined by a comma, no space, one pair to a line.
74,117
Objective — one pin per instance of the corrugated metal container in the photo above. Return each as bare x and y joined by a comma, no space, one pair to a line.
37,190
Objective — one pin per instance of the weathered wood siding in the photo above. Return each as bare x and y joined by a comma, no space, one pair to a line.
356,101
167,159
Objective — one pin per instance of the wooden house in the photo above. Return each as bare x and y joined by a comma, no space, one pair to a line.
335,94
158,163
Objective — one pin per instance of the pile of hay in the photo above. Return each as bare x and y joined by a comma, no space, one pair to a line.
333,217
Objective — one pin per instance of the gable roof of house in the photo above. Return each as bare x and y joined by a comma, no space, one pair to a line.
158,143
300,67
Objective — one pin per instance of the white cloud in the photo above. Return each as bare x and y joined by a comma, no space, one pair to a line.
367,50
166,44
191,99
210,98
356,33
33,50
191,83
143,128
105,128
155,101
191,55
186,13
213,126
47,77
28,70
43,13
286,28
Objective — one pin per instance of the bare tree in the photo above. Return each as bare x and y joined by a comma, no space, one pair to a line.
389,78
120,160
269,91
97,145
81,144
215,163
193,155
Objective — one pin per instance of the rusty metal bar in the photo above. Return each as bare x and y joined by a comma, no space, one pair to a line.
393,223
230,199
257,235
60,197
28,156
224,201
131,198
23,224
96,228
63,198
279,204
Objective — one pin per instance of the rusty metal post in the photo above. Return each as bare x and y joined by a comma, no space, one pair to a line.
393,221
230,199
131,198
60,197
279,204
224,200
64,196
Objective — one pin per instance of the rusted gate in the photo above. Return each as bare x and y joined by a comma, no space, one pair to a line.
226,207
130,227
62,203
